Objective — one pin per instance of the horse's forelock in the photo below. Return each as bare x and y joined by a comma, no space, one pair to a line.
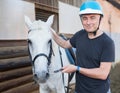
40,25
40,28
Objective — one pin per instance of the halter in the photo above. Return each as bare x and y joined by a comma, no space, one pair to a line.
41,54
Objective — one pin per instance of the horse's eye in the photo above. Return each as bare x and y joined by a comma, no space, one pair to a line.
29,41
49,41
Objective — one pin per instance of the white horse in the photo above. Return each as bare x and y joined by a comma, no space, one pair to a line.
45,55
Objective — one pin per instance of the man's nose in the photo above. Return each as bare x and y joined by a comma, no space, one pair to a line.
88,21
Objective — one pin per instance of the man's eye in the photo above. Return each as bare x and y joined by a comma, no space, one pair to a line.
92,17
84,18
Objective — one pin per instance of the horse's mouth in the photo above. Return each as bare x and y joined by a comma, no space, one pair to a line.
37,80
41,80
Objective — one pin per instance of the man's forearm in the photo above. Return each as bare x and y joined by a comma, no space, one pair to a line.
61,42
98,73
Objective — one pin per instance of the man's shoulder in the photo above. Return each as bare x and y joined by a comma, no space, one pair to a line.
80,32
107,38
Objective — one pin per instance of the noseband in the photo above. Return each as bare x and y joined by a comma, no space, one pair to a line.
43,54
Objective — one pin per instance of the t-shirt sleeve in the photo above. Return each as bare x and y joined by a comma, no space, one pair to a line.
73,40
108,54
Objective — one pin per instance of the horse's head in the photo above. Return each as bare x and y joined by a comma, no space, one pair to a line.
39,40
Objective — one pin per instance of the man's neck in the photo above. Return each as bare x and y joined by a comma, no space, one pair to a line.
92,36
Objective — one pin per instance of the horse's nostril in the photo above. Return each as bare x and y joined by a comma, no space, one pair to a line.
35,75
47,75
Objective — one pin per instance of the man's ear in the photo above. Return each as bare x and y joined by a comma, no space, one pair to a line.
28,21
50,20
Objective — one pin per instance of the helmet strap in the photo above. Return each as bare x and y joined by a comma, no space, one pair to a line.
94,32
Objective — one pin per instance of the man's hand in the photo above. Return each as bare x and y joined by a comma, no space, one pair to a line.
53,31
69,69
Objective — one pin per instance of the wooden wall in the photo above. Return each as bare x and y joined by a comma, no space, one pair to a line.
54,3
15,68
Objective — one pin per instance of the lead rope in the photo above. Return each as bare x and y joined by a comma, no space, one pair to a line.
68,87
69,78
62,66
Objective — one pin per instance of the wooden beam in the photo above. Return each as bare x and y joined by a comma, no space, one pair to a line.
11,52
46,7
12,74
8,84
14,63
26,88
4,43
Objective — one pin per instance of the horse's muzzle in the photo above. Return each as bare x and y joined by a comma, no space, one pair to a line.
41,78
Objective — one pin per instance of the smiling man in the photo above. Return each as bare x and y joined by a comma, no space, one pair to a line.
94,51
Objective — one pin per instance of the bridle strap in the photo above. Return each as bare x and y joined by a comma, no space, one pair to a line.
43,54
38,55
33,29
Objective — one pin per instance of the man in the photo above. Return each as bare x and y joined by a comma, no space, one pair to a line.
94,51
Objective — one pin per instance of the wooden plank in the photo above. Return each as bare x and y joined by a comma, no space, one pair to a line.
23,89
12,74
46,7
14,63
4,43
6,85
16,51
35,91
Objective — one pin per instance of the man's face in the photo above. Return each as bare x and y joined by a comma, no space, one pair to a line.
90,22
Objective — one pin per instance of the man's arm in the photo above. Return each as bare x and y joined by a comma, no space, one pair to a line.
98,73
61,42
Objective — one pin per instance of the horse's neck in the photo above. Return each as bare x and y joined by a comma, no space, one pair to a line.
56,58
56,55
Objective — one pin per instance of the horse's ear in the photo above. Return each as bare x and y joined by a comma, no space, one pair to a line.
50,20
28,21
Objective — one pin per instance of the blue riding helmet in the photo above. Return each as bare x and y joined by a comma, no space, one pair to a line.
90,7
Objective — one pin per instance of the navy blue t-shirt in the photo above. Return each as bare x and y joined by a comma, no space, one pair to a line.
89,54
